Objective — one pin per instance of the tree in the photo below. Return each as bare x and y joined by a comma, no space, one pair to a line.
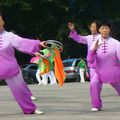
47,19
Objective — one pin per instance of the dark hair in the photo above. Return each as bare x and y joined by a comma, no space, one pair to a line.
96,22
105,23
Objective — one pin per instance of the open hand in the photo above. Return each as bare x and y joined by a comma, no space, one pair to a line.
42,43
95,45
37,54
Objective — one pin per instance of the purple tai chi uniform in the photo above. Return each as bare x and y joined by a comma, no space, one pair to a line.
9,68
85,40
106,61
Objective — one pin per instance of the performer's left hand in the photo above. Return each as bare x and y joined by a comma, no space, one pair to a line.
37,54
42,43
95,45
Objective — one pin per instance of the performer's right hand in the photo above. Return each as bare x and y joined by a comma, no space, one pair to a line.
71,26
42,43
37,54
95,45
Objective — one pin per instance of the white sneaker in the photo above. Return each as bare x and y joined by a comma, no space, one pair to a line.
39,83
95,109
53,84
44,83
82,81
33,98
38,112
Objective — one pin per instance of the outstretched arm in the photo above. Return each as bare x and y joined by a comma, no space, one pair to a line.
74,35
29,46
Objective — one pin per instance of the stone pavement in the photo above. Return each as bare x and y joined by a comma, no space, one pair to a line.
70,102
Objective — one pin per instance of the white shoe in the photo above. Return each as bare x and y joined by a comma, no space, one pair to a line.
95,109
33,98
38,112
53,84
82,81
44,83
39,83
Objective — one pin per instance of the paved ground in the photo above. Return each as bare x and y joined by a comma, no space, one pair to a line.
71,102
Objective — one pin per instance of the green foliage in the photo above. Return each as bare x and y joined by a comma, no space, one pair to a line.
47,19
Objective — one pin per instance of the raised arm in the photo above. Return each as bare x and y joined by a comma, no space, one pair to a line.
91,57
74,35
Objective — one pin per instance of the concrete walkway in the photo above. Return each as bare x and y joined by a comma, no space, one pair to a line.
70,102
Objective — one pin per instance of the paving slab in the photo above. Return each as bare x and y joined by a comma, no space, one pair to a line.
70,102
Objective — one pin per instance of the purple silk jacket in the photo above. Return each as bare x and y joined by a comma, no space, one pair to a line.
84,39
106,60
8,43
